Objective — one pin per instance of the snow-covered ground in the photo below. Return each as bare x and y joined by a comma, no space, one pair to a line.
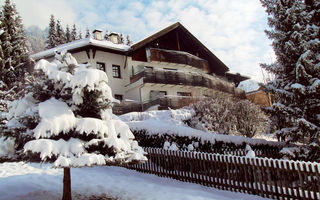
33,181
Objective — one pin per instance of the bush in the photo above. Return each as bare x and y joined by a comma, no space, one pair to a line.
228,116
157,141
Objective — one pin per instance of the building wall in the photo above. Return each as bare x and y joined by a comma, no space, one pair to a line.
122,86
171,90
260,98
117,84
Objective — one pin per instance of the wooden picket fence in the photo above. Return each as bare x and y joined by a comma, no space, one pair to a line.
266,177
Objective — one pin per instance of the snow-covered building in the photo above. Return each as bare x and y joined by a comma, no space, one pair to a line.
159,69
255,94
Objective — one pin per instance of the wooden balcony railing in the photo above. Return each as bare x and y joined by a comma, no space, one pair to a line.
183,78
179,57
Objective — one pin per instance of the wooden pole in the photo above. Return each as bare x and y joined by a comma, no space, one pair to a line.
66,184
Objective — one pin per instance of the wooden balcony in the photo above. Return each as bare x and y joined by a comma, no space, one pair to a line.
183,78
178,57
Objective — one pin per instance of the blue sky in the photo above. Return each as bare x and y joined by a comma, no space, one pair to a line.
232,29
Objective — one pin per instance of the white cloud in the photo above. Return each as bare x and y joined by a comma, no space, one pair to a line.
232,30
35,12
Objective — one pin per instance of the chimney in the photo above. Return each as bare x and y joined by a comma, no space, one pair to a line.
114,37
97,34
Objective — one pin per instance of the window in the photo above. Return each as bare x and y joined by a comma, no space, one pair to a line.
118,96
154,94
101,66
116,71
184,94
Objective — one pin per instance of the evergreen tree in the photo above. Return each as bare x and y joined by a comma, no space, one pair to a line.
121,39
88,35
295,33
74,33
80,35
15,55
66,118
36,38
68,34
52,34
106,36
129,42
3,70
61,36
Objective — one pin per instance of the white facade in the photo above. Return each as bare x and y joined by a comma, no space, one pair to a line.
124,73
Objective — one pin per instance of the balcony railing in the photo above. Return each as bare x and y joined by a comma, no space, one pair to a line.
183,78
179,57
173,102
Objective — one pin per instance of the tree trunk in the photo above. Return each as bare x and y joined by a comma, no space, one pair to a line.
66,184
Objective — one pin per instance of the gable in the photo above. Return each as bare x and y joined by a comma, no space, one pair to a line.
179,39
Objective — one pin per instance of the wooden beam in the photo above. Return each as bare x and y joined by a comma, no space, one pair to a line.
177,37
94,53
88,53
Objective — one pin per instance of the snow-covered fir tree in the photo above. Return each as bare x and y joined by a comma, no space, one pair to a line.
68,34
52,34
74,33
106,35
121,39
36,39
80,35
66,118
295,33
61,36
129,42
13,45
13,57
88,35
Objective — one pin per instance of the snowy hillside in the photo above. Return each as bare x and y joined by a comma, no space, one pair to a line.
31,181
249,85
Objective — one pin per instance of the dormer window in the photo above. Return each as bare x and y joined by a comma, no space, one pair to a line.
114,38
97,34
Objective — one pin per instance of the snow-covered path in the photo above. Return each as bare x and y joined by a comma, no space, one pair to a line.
34,181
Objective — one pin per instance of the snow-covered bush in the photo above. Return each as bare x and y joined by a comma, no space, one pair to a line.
250,119
213,115
195,143
66,118
228,116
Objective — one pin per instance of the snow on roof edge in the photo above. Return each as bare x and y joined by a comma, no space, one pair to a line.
81,43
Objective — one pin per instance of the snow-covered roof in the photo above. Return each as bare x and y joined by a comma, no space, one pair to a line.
95,30
81,43
236,73
249,85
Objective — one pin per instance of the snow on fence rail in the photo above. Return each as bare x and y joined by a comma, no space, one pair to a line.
266,177
269,153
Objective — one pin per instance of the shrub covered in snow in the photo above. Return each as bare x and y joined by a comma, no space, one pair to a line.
163,128
195,143
228,116
66,118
